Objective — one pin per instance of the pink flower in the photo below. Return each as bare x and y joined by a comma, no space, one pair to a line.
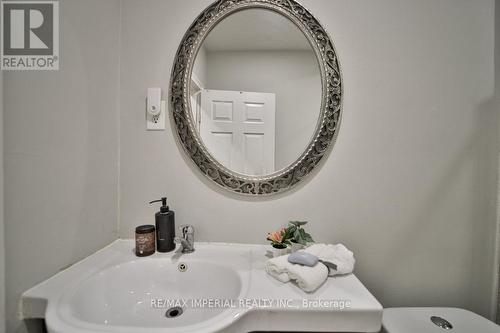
276,236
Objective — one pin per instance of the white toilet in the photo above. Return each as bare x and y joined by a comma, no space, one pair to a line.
435,320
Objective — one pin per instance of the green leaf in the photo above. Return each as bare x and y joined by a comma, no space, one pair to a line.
309,238
288,233
297,236
305,236
298,223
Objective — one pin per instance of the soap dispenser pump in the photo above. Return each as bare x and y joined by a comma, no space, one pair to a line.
165,227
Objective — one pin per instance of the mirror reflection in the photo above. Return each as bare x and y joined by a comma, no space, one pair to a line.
256,92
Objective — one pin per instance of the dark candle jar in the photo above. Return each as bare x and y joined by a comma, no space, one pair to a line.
144,240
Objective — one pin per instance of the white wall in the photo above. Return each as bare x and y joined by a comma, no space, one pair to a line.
496,304
410,185
2,241
61,152
295,79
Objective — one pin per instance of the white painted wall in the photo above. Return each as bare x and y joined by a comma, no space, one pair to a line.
61,152
295,79
411,183
2,241
496,301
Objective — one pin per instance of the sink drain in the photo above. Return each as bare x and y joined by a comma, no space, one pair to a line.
174,312
182,267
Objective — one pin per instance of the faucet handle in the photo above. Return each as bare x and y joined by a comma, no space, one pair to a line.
186,229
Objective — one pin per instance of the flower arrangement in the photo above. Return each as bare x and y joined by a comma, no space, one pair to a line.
279,239
294,233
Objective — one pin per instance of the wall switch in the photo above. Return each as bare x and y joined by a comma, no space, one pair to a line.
155,110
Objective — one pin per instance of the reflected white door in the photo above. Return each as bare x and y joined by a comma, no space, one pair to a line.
238,128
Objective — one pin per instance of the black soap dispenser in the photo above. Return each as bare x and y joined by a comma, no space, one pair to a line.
165,227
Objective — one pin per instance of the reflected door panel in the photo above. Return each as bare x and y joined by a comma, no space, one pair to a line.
239,129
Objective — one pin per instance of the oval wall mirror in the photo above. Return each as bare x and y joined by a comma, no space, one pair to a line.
256,94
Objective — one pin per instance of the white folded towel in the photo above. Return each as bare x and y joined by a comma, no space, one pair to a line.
337,254
307,278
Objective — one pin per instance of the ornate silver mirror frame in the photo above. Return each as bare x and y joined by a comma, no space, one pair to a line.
330,113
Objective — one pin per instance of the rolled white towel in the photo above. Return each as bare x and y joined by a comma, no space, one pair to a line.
307,278
337,254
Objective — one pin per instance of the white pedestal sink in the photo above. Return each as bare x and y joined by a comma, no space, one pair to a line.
218,288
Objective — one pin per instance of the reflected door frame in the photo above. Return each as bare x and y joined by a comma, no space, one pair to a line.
196,88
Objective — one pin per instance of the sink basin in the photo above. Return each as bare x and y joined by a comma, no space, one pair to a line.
139,293
218,288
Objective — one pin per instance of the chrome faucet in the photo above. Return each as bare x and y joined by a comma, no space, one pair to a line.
187,238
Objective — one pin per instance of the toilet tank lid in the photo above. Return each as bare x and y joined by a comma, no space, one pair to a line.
418,320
